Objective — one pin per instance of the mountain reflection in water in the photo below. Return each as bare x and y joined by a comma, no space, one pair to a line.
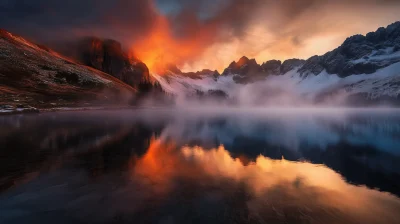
163,167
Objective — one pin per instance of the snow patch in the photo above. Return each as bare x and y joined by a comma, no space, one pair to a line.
386,54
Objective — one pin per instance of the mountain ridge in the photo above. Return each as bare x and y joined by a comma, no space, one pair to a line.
362,67
340,61
363,70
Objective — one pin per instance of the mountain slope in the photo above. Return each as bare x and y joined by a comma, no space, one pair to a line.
35,75
359,54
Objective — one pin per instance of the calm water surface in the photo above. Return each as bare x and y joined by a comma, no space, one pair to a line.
166,166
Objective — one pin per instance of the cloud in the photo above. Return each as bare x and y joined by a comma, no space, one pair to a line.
46,20
198,30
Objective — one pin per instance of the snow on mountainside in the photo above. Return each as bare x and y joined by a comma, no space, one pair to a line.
363,70
181,85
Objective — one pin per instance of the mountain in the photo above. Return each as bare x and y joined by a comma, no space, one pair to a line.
172,69
35,76
357,55
178,83
244,70
108,56
363,70
248,70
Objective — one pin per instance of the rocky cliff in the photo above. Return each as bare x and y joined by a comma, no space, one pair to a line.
109,57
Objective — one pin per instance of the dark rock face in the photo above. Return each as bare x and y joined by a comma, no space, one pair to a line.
115,60
108,56
200,74
93,52
247,70
312,65
208,72
271,67
358,54
193,75
291,64
243,67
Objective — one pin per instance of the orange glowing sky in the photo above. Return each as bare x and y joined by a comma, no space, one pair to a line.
267,35
160,48
197,34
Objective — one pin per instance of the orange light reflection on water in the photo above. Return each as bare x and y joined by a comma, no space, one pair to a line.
279,183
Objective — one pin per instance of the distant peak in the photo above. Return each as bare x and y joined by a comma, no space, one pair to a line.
243,60
173,68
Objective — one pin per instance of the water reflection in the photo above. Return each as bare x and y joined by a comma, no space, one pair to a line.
156,167
281,190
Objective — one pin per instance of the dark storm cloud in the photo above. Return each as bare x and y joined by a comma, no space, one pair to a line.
238,15
125,19
43,20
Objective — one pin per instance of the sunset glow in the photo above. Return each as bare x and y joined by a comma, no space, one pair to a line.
194,44
162,48
200,111
164,163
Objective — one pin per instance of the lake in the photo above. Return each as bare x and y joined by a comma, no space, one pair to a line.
201,166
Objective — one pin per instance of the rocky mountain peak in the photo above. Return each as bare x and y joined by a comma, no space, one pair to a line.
359,54
393,30
243,66
208,72
291,64
173,68
242,61
358,38
107,55
271,67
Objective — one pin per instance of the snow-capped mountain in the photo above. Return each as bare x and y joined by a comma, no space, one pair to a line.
363,70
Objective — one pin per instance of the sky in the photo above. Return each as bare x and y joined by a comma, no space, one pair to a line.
203,33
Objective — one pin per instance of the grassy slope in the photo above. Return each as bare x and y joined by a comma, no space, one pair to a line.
34,75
